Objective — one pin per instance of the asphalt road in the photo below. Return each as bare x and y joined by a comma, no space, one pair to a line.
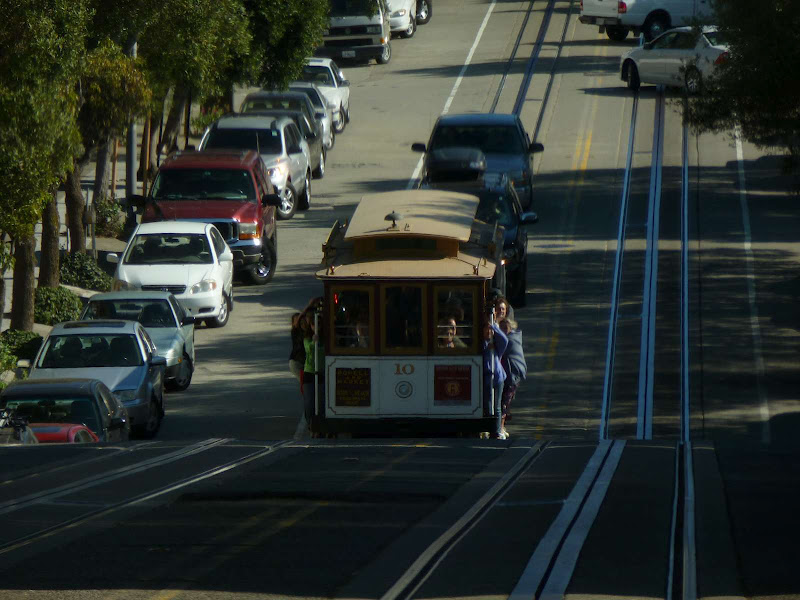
351,518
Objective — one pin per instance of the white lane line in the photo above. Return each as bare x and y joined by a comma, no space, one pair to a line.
556,586
539,562
126,471
751,293
415,175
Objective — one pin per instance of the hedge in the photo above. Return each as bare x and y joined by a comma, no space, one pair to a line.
82,271
55,305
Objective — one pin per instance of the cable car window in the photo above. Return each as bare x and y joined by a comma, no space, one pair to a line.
455,319
352,320
404,319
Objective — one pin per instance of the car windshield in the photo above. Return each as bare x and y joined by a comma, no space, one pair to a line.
495,208
716,38
191,184
263,141
47,409
490,139
90,350
169,249
317,74
313,95
272,103
348,8
150,313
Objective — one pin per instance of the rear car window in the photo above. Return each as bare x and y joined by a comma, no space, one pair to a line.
190,184
490,139
263,141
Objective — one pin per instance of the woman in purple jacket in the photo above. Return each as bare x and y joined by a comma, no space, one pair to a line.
494,376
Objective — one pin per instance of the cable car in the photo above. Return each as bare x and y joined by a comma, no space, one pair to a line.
406,287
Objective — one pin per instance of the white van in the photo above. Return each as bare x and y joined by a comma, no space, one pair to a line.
651,17
357,29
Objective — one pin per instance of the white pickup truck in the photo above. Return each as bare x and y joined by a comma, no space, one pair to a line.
651,17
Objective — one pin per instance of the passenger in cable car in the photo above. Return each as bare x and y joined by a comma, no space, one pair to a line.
446,334
495,343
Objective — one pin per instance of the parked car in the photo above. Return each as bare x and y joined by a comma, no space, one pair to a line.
323,110
312,134
230,189
502,139
282,147
281,100
402,17
680,57
651,17
120,354
499,203
163,317
424,11
357,31
186,258
334,86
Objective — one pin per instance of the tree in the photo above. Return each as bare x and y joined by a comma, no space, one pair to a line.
41,52
756,87
113,90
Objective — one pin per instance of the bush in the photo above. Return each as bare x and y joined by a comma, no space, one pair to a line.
206,118
109,219
8,361
82,271
22,344
55,305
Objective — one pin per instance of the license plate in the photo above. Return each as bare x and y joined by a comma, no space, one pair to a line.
348,53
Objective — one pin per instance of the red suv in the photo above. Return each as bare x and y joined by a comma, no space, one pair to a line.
230,189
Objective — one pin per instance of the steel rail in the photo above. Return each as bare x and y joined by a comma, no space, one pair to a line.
47,532
608,380
644,421
537,48
511,58
427,562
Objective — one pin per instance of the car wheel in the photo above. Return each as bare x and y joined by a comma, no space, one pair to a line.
694,81
386,55
288,204
224,313
342,121
152,424
263,271
333,138
633,76
411,29
319,172
184,376
424,11
305,200
655,25
616,33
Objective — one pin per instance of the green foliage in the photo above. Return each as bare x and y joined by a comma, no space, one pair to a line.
82,271
8,360
55,305
206,118
109,219
22,344
755,88
284,34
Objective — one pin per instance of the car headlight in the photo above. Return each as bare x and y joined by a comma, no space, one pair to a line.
206,285
373,28
399,13
280,170
248,231
126,395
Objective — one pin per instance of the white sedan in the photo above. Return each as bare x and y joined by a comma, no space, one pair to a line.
679,57
188,259
403,17
331,82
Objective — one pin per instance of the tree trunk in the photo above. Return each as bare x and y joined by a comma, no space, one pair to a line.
23,289
169,139
102,172
49,257
153,160
75,205
2,297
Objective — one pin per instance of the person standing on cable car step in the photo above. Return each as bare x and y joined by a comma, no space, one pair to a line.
297,357
313,366
494,346
514,365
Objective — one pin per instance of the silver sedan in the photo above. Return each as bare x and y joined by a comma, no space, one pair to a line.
679,57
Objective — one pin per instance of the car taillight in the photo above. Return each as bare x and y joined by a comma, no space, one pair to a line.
721,58
622,8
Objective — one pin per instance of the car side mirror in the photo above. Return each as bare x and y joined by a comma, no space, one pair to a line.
295,150
226,256
346,83
190,147
529,218
158,361
536,147
188,320
137,202
319,115
112,257
24,363
271,200
418,147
